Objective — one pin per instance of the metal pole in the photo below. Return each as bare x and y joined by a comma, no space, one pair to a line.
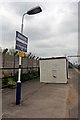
18,88
19,75
22,22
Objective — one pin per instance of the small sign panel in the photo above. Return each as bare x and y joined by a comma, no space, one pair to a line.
21,53
21,42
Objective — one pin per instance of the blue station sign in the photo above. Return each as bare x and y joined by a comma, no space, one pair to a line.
21,42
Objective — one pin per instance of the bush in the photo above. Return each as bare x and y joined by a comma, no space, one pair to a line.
7,81
11,82
34,73
30,75
25,77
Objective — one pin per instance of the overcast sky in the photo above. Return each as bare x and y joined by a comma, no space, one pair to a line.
53,32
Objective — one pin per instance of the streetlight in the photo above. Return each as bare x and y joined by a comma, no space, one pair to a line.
30,12
18,89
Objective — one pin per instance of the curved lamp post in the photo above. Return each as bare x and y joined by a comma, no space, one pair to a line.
30,12
18,89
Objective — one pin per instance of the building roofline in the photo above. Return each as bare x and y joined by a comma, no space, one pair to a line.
52,58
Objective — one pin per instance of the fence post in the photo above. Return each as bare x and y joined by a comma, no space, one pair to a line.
14,65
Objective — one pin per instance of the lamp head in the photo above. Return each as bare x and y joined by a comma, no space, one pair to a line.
34,10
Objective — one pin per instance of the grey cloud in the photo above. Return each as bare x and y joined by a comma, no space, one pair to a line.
46,36
69,26
54,52
39,33
8,33
21,7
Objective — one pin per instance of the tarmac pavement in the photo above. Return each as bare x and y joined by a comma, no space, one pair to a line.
41,100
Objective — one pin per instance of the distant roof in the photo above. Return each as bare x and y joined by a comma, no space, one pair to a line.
52,58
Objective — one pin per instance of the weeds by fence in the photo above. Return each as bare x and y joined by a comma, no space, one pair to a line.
10,80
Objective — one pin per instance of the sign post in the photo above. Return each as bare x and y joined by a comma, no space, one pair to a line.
21,45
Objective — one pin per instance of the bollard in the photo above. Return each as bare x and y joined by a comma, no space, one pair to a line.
18,93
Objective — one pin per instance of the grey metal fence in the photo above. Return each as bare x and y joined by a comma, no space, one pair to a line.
10,64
